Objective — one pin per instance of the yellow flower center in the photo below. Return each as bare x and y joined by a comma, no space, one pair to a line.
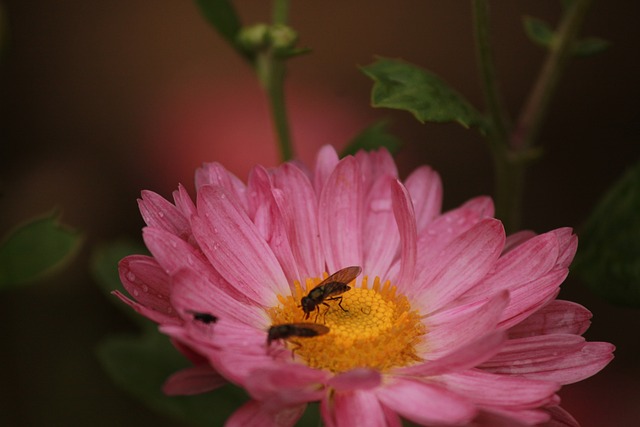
376,329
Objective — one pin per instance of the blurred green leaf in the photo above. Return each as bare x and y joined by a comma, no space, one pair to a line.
538,31
373,138
140,365
223,17
404,86
608,258
590,46
35,250
104,268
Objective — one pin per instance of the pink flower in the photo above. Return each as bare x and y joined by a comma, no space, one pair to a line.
450,322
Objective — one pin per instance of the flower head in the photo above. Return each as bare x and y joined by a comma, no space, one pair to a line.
448,322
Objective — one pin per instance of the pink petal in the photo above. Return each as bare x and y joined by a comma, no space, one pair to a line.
184,203
516,239
195,292
406,220
490,390
425,187
525,351
425,403
374,164
257,414
568,245
326,162
560,418
380,238
557,317
149,313
193,380
299,206
146,281
529,297
340,216
569,366
358,408
449,225
464,357
269,221
453,328
216,175
286,384
521,417
234,248
528,261
461,264
356,379
160,213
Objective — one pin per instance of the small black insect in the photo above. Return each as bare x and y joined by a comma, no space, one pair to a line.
288,330
205,318
328,289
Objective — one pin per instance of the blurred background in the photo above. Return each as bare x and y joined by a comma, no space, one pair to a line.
101,99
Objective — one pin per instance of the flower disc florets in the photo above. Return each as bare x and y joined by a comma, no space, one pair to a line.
370,328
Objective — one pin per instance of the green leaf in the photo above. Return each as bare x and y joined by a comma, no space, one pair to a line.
223,17
140,365
404,86
538,31
608,258
590,46
35,250
373,138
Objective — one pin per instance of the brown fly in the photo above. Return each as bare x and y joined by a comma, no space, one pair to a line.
329,290
205,318
288,330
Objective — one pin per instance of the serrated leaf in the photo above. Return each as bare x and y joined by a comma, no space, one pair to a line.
608,258
35,250
223,17
104,268
538,31
140,365
590,46
404,86
373,138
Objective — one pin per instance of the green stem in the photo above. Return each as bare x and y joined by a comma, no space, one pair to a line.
271,72
534,111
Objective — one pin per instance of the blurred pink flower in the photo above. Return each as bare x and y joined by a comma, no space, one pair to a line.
451,322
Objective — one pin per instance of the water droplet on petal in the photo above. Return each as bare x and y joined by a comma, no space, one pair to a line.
131,276
161,214
145,288
136,293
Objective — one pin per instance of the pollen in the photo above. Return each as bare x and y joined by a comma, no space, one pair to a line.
372,327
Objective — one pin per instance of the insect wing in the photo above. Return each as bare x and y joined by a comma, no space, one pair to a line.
344,276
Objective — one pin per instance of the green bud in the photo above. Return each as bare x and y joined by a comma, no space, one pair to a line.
254,38
283,38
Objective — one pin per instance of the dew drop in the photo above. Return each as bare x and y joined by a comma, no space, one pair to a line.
145,288
130,276
161,214
136,293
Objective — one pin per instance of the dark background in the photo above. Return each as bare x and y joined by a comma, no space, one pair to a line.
101,99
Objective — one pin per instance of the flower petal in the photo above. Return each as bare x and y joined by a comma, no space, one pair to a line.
193,380
286,384
299,206
356,379
516,239
568,245
154,315
193,291
450,329
147,282
326,162
160,213
491,390
340,216
184,203
380,238
425,187
560,418
557,317
257,414
215,174
358,408
234,248
425,403
406,220
569,365
460,265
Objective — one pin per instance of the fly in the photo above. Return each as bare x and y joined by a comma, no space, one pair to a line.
288,330
205,318
329,289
